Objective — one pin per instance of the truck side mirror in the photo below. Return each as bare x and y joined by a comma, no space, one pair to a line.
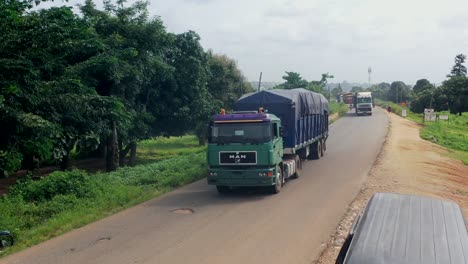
281,131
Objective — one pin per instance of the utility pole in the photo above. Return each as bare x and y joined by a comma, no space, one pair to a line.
260,81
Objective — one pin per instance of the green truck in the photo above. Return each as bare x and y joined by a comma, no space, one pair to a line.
265,139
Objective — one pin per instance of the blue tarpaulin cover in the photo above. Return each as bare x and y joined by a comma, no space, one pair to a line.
294,107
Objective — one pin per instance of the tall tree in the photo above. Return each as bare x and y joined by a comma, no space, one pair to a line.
399,92
456,90
458,69
293,80
422,85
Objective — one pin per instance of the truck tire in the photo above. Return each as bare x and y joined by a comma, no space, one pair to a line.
278,184
303,153
321,148
222,189
298,168
315,151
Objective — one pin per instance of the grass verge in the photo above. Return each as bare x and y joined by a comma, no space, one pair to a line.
452,134
36,211
339,108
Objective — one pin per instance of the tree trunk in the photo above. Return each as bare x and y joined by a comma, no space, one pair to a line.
112,158
123,153
133,148
65,162
201,140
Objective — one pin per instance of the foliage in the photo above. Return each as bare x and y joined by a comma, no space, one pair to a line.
337,90
399,92
357,89
458,70
38,210
339,108
161,148
455,90
294,80
101,79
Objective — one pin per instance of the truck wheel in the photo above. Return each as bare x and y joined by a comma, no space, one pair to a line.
298,168
222,189
316,150
279,182
303,153
321,148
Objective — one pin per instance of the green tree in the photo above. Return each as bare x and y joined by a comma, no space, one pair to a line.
293,80
458,70
399,92
456,91
356,89
337,90
422,85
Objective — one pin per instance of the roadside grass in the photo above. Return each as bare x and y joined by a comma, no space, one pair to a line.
452,134
161,148
340,108
37,210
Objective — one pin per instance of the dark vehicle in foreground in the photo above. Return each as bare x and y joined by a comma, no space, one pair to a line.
407,229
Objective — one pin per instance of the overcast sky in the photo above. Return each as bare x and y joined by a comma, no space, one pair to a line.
400,39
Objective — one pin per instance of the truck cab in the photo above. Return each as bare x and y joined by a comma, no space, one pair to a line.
244,149
363,103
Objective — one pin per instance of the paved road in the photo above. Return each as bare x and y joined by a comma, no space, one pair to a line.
243,227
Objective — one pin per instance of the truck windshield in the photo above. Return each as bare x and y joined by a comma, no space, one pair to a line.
364,100
241,133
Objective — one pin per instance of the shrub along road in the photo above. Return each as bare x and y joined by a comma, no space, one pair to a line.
243,227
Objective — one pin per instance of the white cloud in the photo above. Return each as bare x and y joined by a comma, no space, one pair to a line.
401,39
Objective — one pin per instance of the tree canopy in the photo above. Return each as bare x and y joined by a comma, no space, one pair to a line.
101,79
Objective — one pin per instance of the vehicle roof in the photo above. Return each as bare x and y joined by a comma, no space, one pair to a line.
279,100
400,229
364,94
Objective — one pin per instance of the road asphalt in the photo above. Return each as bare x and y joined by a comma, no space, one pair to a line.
246,226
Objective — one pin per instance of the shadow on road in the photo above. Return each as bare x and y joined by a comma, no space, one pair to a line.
201,196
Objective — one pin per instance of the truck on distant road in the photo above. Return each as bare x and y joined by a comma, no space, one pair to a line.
363,103
348,98
265,139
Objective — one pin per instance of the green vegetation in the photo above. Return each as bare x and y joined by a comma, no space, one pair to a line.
158,149
452,134
103,79
340,108
37,210
294,80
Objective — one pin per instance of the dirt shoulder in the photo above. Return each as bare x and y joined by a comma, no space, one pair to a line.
408,165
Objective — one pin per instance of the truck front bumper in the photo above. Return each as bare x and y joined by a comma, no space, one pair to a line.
251,177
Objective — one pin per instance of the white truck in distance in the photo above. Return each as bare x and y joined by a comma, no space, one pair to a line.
363,103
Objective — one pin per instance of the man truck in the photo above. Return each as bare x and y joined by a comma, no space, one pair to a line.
263,142
363,103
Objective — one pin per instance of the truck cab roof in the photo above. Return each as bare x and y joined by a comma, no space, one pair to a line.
246,117
400,229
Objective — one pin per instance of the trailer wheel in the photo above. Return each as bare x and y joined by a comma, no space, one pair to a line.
321,148
278,183
298,168
316,150
222,189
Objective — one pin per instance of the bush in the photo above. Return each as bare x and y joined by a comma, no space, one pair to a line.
35,210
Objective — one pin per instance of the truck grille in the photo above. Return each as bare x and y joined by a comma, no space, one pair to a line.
237,157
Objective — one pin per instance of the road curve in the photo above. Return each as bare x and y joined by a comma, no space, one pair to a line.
244,227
